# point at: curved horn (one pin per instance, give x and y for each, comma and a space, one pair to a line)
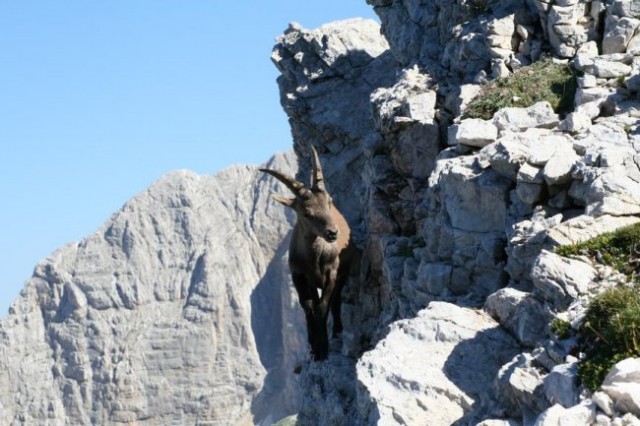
318, 180
295, 186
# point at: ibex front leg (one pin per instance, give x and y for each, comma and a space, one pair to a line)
322, 313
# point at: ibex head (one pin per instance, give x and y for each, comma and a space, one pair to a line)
313, 205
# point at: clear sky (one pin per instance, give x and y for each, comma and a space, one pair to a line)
98, 99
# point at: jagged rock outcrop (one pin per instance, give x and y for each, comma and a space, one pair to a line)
175, 311
469, 214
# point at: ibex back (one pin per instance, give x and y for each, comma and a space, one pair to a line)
319, 254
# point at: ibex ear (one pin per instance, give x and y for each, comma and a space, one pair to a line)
284, 200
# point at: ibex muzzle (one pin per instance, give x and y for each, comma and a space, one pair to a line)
319, 254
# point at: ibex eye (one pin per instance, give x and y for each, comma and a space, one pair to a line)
330, 235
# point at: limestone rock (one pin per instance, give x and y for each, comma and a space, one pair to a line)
521, 386
618, 32
473, 132
613, 192
328, 75
515, 119
582, 414
506, 155
561, 385
604, 402
605, 66
558, 169
583, 227
575, 122
561, 280
441, 374
161, 315
622, 384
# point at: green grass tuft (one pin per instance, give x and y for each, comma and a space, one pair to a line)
619, 249
561, 328
543, 80
610, 333
611, 328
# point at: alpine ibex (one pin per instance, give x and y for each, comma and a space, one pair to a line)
319, 254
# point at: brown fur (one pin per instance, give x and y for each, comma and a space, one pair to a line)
319, 255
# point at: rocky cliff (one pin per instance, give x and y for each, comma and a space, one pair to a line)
458, 217
179, 309
176, 311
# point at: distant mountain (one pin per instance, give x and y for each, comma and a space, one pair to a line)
170, 313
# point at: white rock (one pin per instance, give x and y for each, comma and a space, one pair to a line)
575, 122
503, 303
604, 402
583, 227
472, 132
587, 81
529, 193
601, 135
613, 192
609, 66
546, 145
581, 414
558, 169
593, 94
565, 3
633, 47
530, 174
561, 280
622, 384
618, 32
506, 155
499, 423
521, 385
515, 119
443, 372
457, 100
152, 313
422, 106
590, 109
588, 49
473, 199
561, 385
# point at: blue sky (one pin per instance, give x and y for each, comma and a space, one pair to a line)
99, 99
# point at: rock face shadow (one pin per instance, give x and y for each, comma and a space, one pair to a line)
437, 369
279, 329
473, 367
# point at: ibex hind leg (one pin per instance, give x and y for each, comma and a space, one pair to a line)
309, 300
336, 308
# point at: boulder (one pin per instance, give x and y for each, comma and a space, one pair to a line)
560, 280
472, 132
617, 34
561, 385
557, 170
605, 66
443, 372
581, 414
521, 386
539, 115
622, 384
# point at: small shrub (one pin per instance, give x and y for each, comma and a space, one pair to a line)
541, 81
561, 328
610, 333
